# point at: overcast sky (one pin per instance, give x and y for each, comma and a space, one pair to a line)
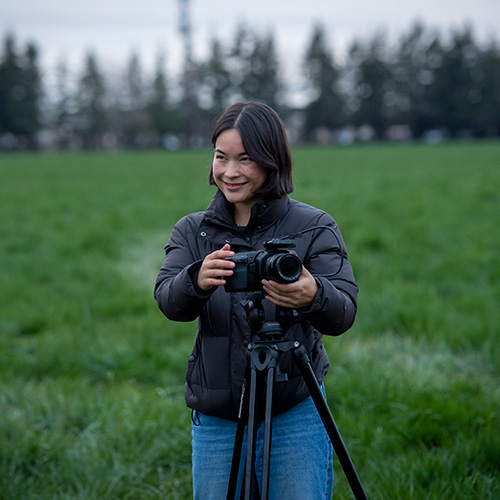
114, 28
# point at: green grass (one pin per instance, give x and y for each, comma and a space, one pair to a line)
91, 373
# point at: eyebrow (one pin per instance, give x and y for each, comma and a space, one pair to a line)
217, 150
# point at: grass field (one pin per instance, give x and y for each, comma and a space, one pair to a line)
91, 373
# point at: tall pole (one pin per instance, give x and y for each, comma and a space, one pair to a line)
185, 29
188, 102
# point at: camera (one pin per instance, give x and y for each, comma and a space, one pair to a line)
276, 262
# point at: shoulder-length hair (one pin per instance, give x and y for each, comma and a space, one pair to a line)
264, 137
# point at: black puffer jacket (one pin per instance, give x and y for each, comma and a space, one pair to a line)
217, 365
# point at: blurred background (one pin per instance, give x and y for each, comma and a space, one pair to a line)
92, 374
105, 75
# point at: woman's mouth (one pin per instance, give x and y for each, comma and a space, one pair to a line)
234, 186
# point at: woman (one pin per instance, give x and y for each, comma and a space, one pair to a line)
252, 170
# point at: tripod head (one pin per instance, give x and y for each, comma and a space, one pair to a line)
268, 337
256, 318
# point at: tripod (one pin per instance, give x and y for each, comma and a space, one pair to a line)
262, 372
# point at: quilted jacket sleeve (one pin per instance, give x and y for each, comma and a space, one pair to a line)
334, 307
175, 291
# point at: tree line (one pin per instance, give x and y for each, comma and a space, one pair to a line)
427, 84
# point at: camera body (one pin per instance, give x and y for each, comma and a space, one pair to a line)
276, 262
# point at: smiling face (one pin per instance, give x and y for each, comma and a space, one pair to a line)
236, 175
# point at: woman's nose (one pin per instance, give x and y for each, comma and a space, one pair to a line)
232, 168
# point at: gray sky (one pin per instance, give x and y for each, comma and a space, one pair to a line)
114, 28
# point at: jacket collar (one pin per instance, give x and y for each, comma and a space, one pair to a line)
264, 213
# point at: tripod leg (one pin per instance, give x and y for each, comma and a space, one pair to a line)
238, 445
266, 458
252, 431
307, 372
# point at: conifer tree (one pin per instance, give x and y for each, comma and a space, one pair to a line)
20, 93
326, 109
92, 116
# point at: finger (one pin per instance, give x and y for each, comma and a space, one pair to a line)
278, 301
220, 264
220, 254
279, 288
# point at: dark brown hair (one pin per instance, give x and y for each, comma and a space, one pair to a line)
264, 138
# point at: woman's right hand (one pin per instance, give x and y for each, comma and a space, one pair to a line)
214, 268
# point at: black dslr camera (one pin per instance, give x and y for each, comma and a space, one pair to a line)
277, 262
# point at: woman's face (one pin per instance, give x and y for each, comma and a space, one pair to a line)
234, 172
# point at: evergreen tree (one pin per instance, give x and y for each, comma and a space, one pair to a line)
453, 88
191, 123
92, 117
412, 77
254, 68
238, 57
10, 87
372, 84
31, 82
216, 80
326, 109
486, 76
20, 92
162, 117
261, 81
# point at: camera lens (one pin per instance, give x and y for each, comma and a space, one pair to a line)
283, 267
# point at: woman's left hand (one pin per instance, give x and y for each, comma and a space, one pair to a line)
294, 295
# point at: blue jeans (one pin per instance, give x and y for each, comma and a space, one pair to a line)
301, 456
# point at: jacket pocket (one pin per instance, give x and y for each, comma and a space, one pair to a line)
208, 365
193, 359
